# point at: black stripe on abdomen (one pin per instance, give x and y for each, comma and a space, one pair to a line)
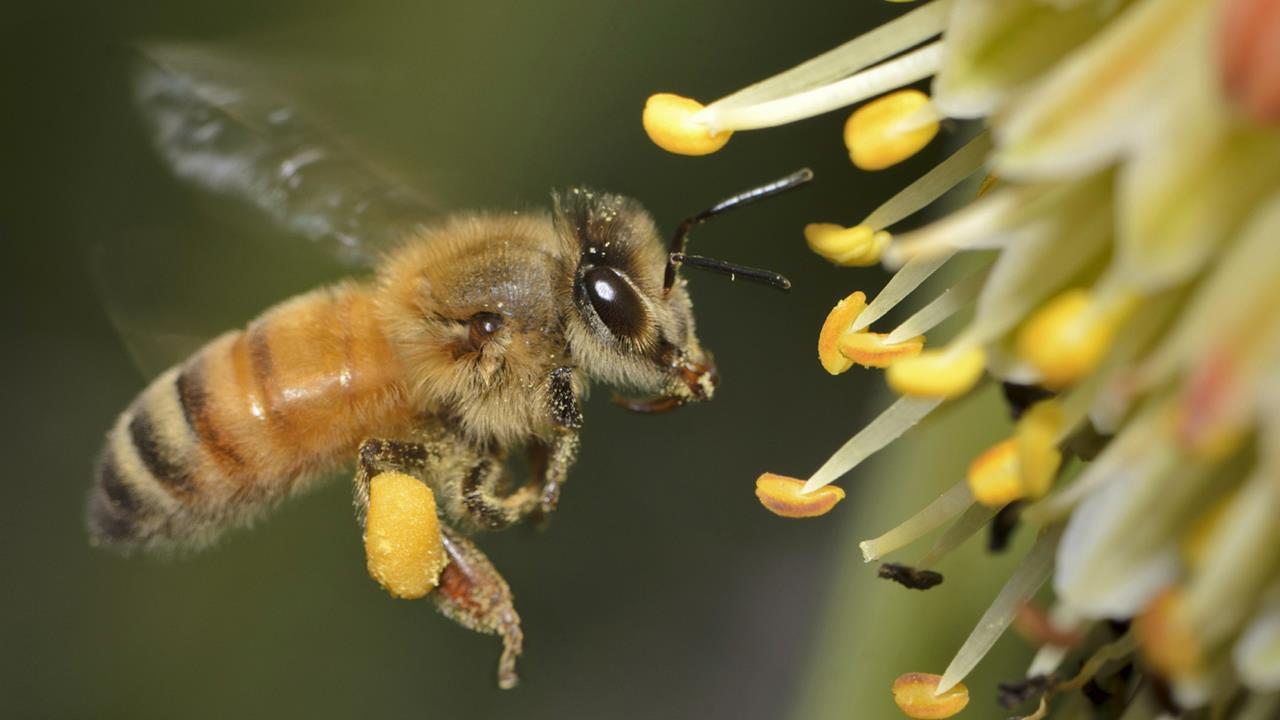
114, 509
162, 462
194, 399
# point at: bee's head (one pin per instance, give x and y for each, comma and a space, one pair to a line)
632, 321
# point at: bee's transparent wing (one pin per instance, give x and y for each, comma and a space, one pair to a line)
221, 127
230, 124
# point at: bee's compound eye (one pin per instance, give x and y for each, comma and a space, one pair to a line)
614, 301
484, 325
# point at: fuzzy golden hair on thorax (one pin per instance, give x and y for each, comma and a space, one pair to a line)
440, 293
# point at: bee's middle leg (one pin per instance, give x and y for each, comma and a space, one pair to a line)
484, 500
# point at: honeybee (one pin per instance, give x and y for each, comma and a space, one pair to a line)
471, 343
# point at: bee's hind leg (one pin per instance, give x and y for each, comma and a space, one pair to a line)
473, 594
469, 590
378, 455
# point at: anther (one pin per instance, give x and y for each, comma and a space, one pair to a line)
668, 120
942, 373
858, 246
890, 129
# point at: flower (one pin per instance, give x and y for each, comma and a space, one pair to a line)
1127, 296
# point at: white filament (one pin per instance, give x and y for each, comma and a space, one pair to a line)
933, 184
1025, 581
943, 508
890, 75
889, 426
888, 39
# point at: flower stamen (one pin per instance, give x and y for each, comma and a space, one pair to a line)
838, 324
945, 373
1021, 586
973, 520
885, 41
890, 129
946, 506
873, 350
1067, 337
890, 75
918, 696
901, 416
781, 496
903, 283
933, 184
951, 301
858, 246
670, 123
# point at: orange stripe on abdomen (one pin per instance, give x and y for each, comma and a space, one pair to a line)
236, 426
287, 396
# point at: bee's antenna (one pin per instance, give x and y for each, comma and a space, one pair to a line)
768, 277
678, 242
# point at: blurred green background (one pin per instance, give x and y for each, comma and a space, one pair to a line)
661, 589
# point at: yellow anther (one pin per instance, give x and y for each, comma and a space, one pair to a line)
668, 119
889, 129
993, 476
858, 246
1023, 466
1067, 337
1036, 437
402, 536
1195, 544
914, 694
1167, 638
943, 373
869, 349
781, 496
837, 324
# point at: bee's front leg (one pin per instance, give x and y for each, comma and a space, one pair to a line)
554, 458
552, 464
473, 594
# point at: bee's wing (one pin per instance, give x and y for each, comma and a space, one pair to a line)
221, 127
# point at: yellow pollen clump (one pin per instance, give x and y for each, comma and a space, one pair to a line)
858, 246
869, 349
944, 373
889, 129
1067, 337
837, 324
1166, 637
668, 120
781, 496
402, 536
914, 694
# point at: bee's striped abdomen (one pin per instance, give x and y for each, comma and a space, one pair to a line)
233, 429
